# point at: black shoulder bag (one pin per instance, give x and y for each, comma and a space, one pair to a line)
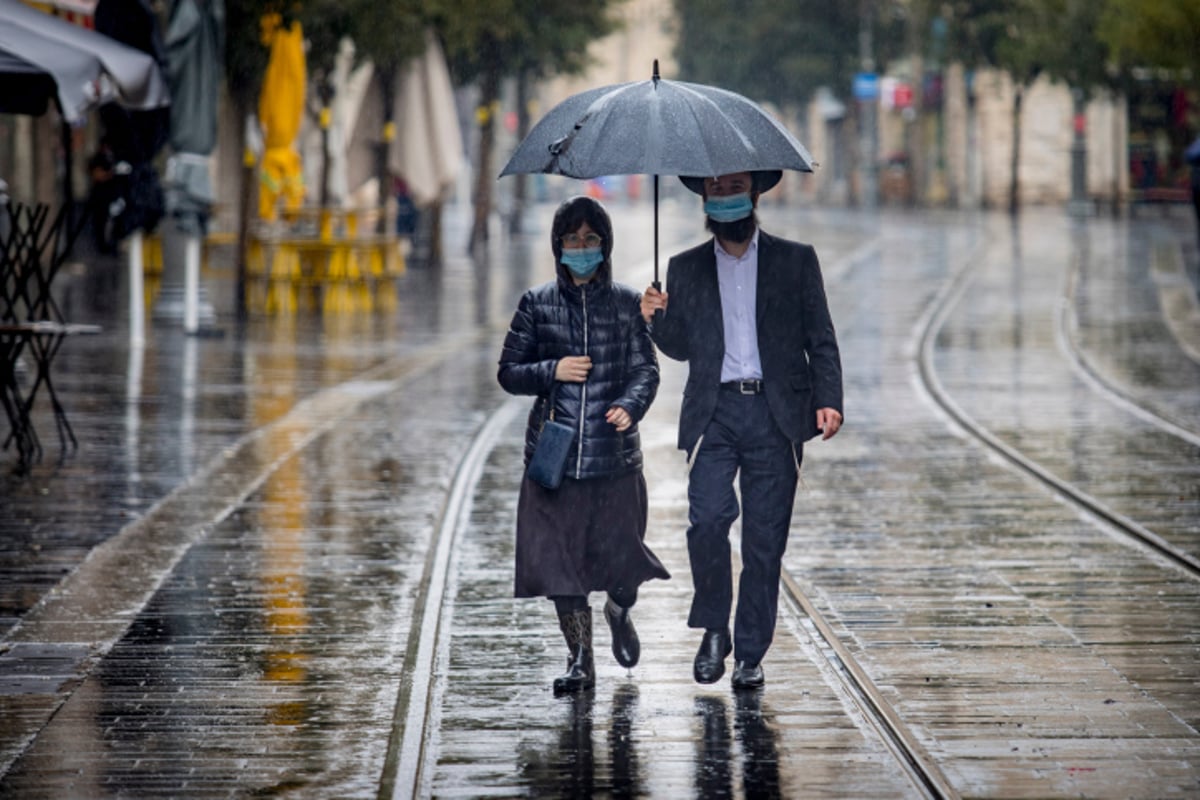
549, 461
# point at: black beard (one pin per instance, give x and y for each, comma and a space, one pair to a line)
738, 231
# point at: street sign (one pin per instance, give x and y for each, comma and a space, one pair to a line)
866, 86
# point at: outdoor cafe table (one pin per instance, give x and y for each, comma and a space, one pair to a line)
32, 328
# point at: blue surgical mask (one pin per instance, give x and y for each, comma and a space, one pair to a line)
730, 208
582, 262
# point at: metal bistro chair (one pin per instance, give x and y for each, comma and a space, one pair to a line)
32, 249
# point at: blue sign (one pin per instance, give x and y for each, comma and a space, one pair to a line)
866, 86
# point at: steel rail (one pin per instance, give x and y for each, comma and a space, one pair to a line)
404, 766
1130, 529
920, 767
1066, 323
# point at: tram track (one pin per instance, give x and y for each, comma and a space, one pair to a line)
917, 764
407, 769
1126, 528
1065, 327
404, 765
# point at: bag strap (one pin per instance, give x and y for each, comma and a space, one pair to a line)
550, 404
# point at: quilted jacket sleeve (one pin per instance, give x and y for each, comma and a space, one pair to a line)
521, 371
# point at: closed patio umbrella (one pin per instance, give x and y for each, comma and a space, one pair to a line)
427, 152
280, 112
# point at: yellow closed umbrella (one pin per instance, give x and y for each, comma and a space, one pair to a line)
280, 112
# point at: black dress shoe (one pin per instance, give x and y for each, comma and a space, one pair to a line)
626, 647
710, 660
747, 676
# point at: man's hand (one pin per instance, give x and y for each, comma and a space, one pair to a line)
829, 421
652, 300
573, 369
618, 417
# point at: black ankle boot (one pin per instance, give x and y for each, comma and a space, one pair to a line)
626, 647
576, 628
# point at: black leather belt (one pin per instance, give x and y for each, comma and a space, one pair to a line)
744, 386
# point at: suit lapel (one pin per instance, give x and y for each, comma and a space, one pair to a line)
710, 288
763, 295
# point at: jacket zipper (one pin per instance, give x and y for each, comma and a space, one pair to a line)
582, 393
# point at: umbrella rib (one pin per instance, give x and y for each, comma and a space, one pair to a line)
709, 156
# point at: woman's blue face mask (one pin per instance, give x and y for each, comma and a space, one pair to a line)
583, 262
729, 208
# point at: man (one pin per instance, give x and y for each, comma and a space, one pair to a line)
748, 313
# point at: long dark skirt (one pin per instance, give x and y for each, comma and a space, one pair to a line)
585, 536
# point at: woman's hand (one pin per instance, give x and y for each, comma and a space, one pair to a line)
573, 369
618, 417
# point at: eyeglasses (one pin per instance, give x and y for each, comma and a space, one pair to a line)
575, 240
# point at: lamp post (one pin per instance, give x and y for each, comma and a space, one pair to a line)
1079, 205
867, 93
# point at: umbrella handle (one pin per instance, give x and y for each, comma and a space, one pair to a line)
656, 283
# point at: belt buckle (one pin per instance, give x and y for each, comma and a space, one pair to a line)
748, 386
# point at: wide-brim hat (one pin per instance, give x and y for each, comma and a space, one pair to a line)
764, 180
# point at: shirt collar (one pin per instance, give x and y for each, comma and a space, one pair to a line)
751, 250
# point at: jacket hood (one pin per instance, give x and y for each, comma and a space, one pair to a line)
569, 216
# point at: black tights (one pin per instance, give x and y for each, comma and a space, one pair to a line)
566, 603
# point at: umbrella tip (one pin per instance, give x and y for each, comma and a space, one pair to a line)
654, 77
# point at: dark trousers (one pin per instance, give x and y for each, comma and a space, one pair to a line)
742, 441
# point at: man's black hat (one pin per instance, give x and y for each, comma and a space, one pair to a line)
763, 180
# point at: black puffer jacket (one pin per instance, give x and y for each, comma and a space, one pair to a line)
600, 319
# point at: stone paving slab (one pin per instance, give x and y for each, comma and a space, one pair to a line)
1034, 653
500, 732
997, 620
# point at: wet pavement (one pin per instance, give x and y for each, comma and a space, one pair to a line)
280, 562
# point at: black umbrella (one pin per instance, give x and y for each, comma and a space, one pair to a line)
657, 127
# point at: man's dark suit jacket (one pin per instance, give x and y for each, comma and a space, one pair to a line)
802, 369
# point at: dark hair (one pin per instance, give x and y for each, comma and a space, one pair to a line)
573, 213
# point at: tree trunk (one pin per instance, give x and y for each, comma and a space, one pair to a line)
1014, 187
387, 93
521, 181
245, 200
1119, 153
853, 147
435, 232
323, 121
484, 178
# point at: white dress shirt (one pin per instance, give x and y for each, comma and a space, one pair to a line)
738, 278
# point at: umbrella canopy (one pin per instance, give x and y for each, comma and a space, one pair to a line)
657, 127
43, 58
280, 112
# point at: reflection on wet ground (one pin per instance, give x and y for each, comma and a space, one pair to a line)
1032, 653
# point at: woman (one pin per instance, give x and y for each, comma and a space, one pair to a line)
580, 345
